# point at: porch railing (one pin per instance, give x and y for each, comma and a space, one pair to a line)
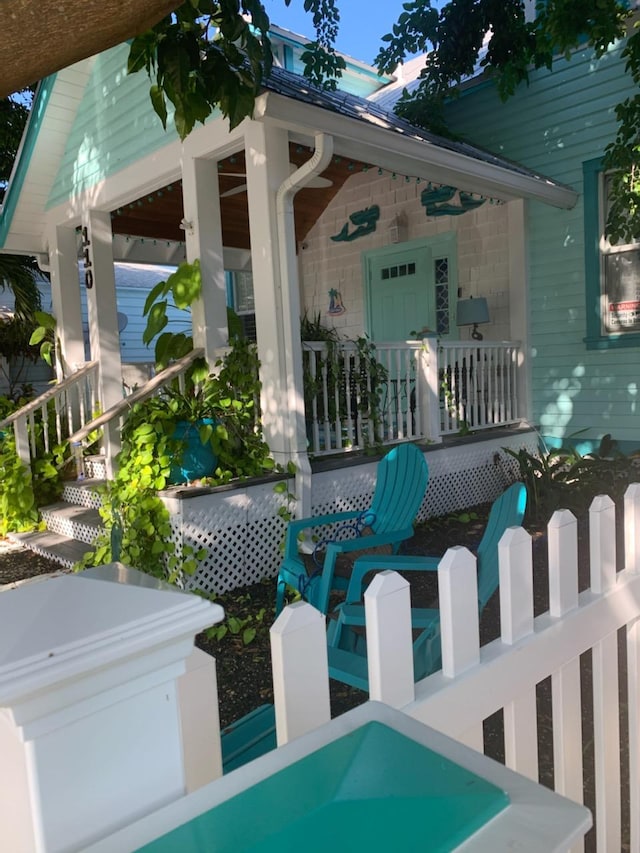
110, 420
478, 387
46, 421
408, 390
70, 411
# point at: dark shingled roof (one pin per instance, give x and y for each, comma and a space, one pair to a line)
298, 88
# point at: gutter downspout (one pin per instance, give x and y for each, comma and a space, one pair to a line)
290, 297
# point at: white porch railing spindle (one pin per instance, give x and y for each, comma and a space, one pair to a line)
325, 400
419, 429
313, 373
31, 428
44, 416
81, 392
344, 379
386, 408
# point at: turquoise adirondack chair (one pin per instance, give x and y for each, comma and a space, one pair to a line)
345, 636
401, 483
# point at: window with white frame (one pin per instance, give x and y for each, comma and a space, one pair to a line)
612, 271
620, 277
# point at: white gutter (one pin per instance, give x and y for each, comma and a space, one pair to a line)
290, 300
378, 143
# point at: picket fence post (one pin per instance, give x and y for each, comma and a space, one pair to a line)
516, 622
566, 702
387, 606
632, 563
300, 671
460, 626
606, 724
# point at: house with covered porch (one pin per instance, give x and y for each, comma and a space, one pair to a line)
320, 204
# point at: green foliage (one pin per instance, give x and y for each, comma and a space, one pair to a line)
241, 625
233, 394
21, 491
286, 510
138, 526
567, 479
137, 523
19, 274
622, 158
44, 335
358, 374
18, 511
462, 36
14, 112
208, 54
183, 287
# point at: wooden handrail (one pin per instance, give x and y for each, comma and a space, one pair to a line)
139, 394
51, 394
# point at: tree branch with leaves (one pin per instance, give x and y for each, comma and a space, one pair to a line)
210, 55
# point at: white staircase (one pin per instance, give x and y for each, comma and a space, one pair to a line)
73, 523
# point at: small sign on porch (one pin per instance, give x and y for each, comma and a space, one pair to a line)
336, 306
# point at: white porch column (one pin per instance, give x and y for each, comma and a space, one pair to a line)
203, 230
267, 163
103, 321
65, 297
519, 302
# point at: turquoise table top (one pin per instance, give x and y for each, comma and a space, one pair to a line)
372, 789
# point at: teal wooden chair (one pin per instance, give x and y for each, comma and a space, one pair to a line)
248, 738
401, 483
346, 637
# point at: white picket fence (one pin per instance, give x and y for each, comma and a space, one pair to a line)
475, 682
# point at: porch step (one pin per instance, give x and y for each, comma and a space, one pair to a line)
64, 550
83, 492
72, 524
76, 522
95, 467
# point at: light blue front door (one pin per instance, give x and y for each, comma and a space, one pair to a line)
411, 287
400, 294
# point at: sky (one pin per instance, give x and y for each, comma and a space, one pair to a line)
362, 23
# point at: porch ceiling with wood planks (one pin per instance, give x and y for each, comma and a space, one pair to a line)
158, 216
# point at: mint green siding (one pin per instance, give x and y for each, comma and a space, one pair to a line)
562, 120
115, 126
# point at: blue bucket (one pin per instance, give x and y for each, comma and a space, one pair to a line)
197, 459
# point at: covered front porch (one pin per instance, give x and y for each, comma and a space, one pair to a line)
319, 205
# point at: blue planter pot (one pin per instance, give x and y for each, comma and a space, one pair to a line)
197, 459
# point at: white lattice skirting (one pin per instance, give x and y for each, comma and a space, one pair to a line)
242, 531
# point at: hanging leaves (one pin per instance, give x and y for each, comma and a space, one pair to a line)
210, 55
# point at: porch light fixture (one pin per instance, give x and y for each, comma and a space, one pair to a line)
472, 312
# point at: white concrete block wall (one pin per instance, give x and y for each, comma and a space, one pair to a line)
483, 250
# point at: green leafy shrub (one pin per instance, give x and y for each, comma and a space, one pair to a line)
23, 491
566, 479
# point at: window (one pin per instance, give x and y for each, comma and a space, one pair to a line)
441, 277
612, 272
240, 298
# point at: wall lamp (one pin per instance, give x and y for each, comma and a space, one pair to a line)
472, 312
